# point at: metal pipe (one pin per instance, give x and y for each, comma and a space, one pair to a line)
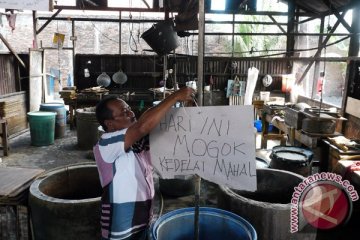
200, 75
201, 50
164, 74
197, 206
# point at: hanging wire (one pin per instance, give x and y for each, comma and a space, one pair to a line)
132, 40
82, 7
138, 31
323, 77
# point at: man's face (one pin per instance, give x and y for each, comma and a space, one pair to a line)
122, 116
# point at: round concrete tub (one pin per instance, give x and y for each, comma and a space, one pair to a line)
268, 208
65, 204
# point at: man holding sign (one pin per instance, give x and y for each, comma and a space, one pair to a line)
124, 165
215, 142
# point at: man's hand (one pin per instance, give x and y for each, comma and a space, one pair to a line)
185, 94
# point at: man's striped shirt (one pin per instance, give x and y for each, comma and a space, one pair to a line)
128, 189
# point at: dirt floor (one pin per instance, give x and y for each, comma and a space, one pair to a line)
64, 151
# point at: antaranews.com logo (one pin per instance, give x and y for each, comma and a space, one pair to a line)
324, 200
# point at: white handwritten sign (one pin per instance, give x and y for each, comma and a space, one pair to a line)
41, 5
217, 143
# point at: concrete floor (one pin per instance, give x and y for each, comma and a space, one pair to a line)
64, 151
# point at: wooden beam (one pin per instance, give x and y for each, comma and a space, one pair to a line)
128, 9
115, 9
307, 20
290, 40
273, 34
48, 21
337, 14
147, 5
354, 47
89, 19
305, 59
317, 54
279, 26
73, 33
243, 22
201, 50
350, 5
232, 37
12, 50
35, 42
262, 13
120, 21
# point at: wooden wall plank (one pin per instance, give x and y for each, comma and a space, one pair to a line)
7, 74
219, 67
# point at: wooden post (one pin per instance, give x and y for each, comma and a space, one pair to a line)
290, 37
47, 22
317, 54
353, 51
120, 33
73, 45
200, 77
201, 42
35, 44
290, 41
7, 44
232, 37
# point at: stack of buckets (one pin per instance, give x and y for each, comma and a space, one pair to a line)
47, 124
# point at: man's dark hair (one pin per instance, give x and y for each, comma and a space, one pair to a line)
103, 112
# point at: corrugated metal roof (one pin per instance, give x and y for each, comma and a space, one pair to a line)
323, 6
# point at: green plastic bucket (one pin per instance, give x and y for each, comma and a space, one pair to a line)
42, 127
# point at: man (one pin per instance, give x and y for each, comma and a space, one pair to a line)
124, 165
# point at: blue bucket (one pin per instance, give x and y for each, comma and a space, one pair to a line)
258, 125
214, 224
60, 123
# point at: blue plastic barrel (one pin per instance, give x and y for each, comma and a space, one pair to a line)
60, 123
214, 224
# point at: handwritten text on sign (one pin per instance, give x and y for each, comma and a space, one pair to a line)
217, 143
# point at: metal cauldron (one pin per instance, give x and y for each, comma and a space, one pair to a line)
161, 37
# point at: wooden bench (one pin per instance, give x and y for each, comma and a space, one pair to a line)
14, 189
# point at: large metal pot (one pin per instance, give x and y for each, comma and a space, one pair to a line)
161, 37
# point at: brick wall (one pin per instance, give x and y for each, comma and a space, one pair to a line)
92, 38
